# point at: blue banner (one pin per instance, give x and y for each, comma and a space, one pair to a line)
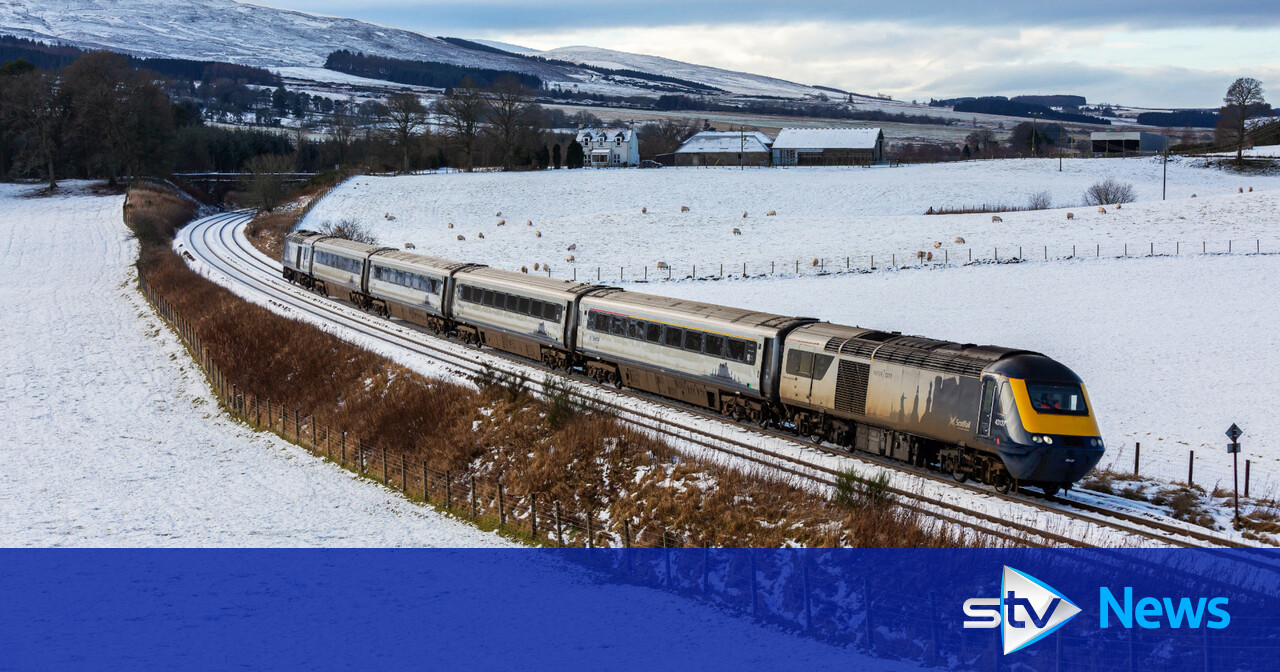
1033, 610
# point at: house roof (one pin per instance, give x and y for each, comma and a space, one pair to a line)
714, 142
827, 138
604, 134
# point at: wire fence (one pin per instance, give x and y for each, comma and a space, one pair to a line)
940, 257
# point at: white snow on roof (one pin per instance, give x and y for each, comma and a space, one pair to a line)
604, 134
827, 138
709, 142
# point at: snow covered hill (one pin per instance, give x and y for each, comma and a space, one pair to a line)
268, 37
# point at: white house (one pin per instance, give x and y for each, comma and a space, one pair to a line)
725, 148
828, 146
609, 147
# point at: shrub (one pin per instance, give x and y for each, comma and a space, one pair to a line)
856, 492
351, 230
1109, 192
1040, 200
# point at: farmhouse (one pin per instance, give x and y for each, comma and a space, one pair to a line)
609, 147
1127, 142
725, 148
828, 147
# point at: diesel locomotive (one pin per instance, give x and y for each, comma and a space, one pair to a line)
1005, 417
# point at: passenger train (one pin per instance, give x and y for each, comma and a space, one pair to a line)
1005, 417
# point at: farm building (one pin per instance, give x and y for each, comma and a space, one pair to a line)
828, 147
1127, 142
725, 148
609, 147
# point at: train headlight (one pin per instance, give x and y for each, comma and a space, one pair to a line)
1048, 440
1036, 438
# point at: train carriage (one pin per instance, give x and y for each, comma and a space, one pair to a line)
338, 264
296, 256
522, 314
413, 287
713, 356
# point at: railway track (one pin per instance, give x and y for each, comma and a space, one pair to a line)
218, 245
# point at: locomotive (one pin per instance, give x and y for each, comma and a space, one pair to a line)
1004, 417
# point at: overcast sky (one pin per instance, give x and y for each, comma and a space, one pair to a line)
1152, 54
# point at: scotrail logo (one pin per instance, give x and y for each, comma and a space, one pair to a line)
1026, 611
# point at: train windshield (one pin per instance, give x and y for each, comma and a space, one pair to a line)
1060, 398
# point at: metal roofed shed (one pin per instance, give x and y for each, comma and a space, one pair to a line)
725, 148
1127, 143
828, 147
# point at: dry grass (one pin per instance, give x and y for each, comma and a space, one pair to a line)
585, 459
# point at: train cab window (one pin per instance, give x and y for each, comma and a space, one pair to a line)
984, 413
1057, 398
820, 365
800, 363
714, 345
673, 336
693, 341
652, 332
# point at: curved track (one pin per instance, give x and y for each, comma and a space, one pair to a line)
217, 247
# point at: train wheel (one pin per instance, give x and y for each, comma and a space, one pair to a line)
960, 475
1003, 484
1050, 489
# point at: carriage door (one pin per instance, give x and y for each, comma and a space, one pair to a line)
988, 401
298, 261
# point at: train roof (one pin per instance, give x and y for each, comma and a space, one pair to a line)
710, 312
302, 234
965, 359
421, 260
361, 250
516, 280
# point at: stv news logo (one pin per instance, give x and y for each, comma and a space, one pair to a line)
1026, 611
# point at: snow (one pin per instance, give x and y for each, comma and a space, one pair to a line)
113, 438
725, 141
826, 138
826, 213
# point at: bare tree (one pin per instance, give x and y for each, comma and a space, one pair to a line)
1244, 97
266, 181
406, 114
982, 140
665, 137
509, 115
342, 127
36, 110
1109, 192
349, 229
463, 108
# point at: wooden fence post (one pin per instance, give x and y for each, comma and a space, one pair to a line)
502, 512
384, 464
533, 515
473, 496
1191, 468
404, 482
559, 529
1137, 452
589, 540
448, 491
1246, 477
425, 488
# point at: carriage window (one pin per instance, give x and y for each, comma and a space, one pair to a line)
616, 327
751, 352
799, 363
635, 329
693, 341
488, 298
820, 365
1059, 398
524, 305
674, 336
737, 350
513, 303
653, 332
551, 312
714, 345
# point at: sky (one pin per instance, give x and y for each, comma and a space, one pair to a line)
1173, 53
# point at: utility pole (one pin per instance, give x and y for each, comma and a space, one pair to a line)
742, 144
1033, 135
1062, 133
1164, 182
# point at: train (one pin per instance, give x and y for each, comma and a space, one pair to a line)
1004, 417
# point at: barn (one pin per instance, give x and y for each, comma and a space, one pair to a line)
725, 148
1123, 143
828, 147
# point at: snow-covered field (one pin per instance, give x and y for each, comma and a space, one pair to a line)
113, 438
1173, 349
822, 213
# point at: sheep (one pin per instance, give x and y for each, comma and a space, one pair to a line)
1071, 215
524, 269
528, 222
663, 265
570, 258
502, 222
410, 246
1239, 190
481, 235
571, 247
684, 208
771, 213
744, 214
537, 266
737, 232
920, 254
814, 262
937, 244
995, 219
1102, 210
959, 240
451, 225
538, 234
928, 256
1193, 195
1251, 190
644, 210
499, 214
546, 267
389, 217
1118, 206
461, 237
